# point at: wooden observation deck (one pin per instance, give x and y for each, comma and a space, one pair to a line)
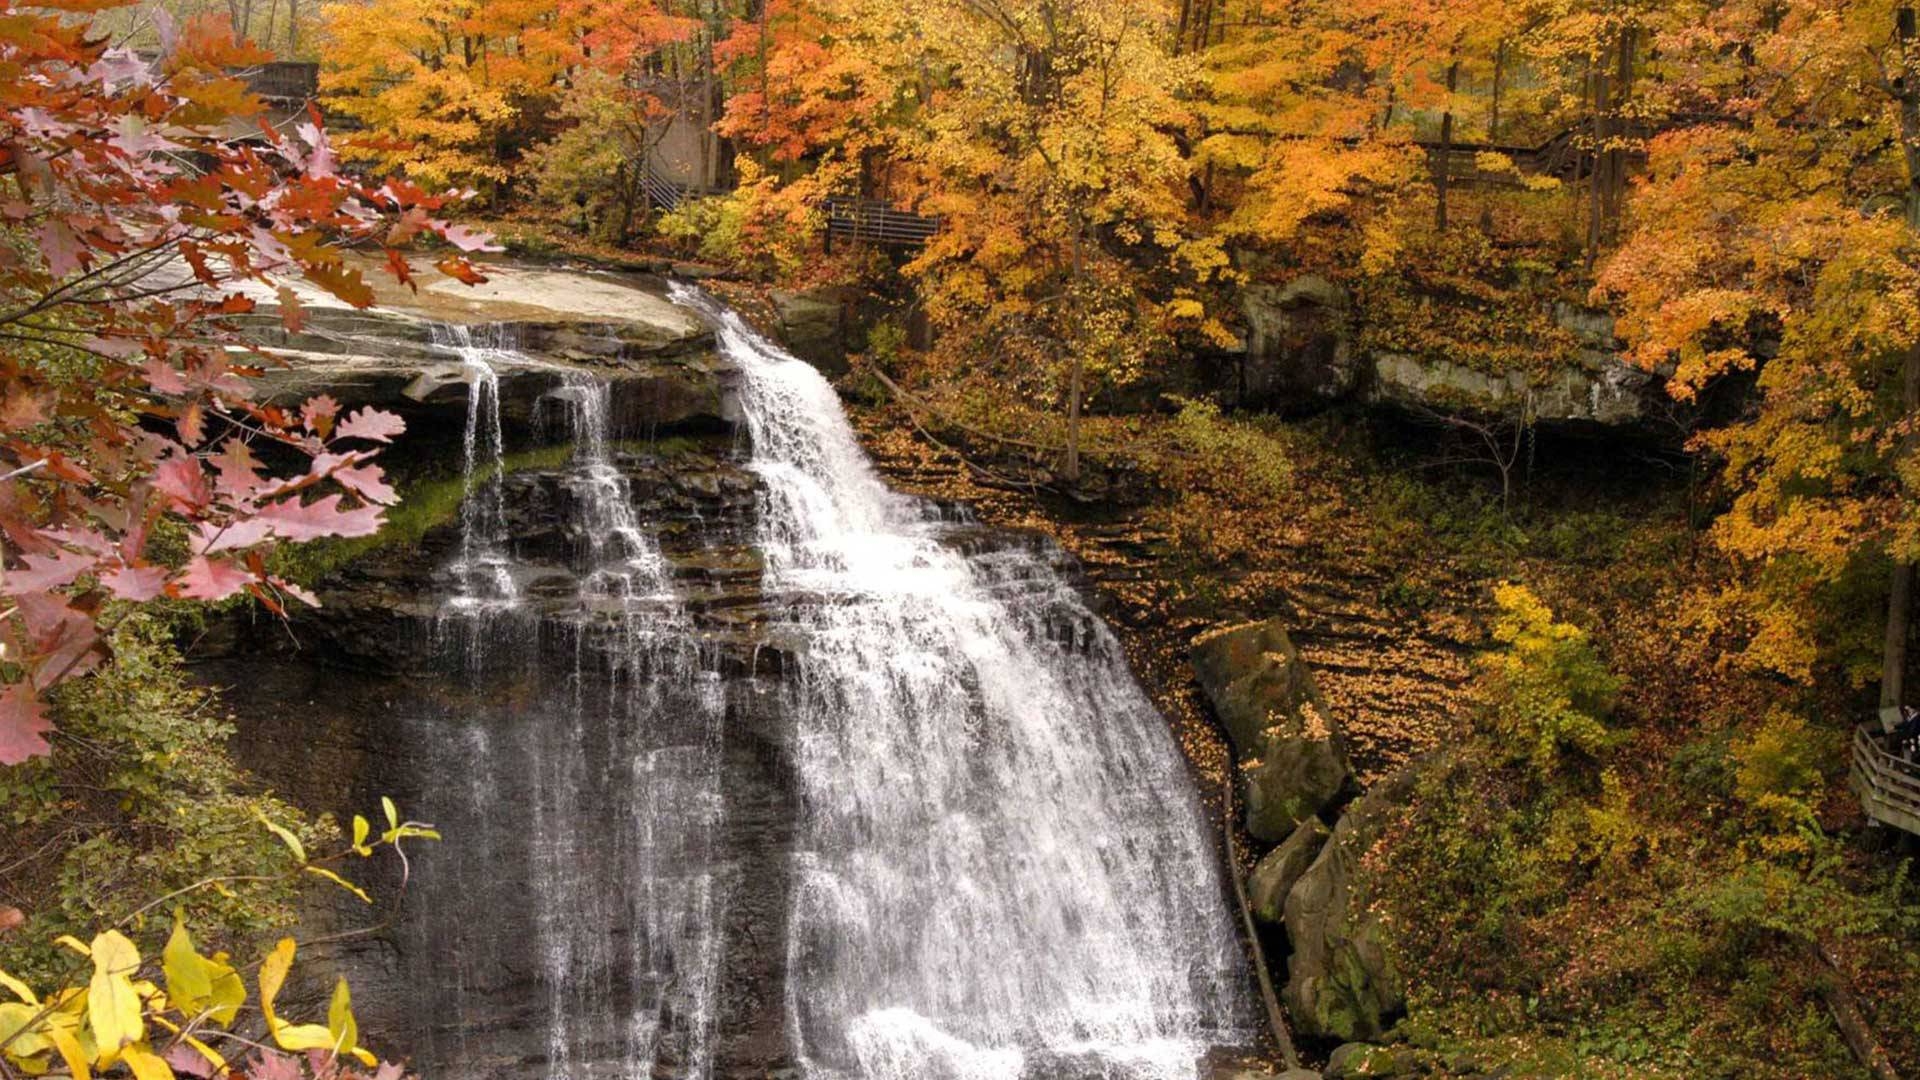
1887, 782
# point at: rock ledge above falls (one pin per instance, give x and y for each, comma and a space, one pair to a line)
537, 324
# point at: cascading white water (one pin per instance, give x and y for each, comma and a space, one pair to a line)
1003, 871
483, 564
627, 912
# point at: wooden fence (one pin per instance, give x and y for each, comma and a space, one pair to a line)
1888, 785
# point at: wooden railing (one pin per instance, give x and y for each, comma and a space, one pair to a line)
861, 221
1888, 784
285, 81
870, 221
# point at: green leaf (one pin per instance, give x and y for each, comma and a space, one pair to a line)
393, 815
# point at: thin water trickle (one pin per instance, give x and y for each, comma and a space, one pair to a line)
1003, 870
483, 565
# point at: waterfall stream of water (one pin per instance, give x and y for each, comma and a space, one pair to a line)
920, 824
626, 913
1003, 870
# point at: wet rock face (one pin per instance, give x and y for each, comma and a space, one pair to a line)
457, 718
1278, 871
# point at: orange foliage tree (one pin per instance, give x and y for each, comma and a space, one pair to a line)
1778, 231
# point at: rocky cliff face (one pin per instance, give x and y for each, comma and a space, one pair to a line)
1301, 350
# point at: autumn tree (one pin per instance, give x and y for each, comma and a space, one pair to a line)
444, 93
1778, 232
1046, 137
133, 462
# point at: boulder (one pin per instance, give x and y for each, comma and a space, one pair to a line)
1364, 1061
1293, 759
1274, 877
1342, 982
1299, 346
814, 326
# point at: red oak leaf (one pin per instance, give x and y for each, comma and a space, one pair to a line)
183, 482
210, 579
297, 521
136, 583
375, 424
23, 722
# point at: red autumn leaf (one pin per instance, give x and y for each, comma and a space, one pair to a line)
236, 469
467, 239
183, 482
24, 406
297, 521
317, 414
377, 425
136, 583
23, 722
192, 425
461, 270
233, 535
62, 640
292, 315
368, 482
337, 279
44, 572
209, 579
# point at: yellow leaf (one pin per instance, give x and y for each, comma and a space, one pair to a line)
113, 1006
146, 1064
73, 943
360, 831
189, 982
340, 1022
197, 985
20, 989
70, 1050
16, 1030
273, 975
340, 881
286, 837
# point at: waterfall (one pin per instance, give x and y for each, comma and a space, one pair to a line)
482, 567
594, 795
750, 766
1002, 871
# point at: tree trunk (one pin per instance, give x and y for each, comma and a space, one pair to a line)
1074, 387
1276, 1019
1444, 174
1617, 155
1837, 996
1499, 70
1596, 178
1893, 659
